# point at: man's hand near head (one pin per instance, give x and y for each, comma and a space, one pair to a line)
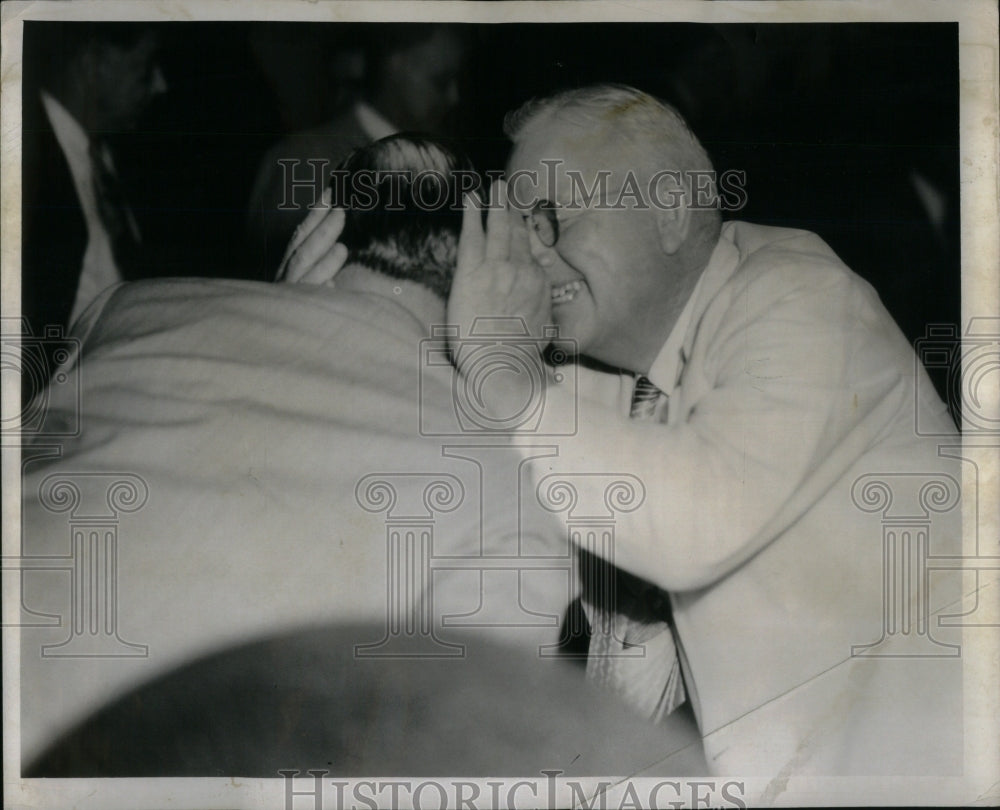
496, 281
491, 281
494, 277
314, 256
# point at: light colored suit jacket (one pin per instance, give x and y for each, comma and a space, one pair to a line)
788, 502
261, 457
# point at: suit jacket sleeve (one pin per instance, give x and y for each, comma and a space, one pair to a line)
794, 373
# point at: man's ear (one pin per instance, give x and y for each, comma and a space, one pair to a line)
672, 224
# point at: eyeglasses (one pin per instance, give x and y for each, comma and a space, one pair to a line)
544, 222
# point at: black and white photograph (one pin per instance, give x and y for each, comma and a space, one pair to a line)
500, 404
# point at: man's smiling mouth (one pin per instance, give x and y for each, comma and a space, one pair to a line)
564, 293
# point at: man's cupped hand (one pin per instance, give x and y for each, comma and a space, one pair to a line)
314, 256
493, 278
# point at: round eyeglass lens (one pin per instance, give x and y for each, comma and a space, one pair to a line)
544, 222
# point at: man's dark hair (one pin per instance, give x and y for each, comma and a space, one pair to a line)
403, 201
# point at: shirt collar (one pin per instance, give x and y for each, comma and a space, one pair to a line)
669, 363
375, 125
72, 137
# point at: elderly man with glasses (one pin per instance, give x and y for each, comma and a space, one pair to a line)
757, 388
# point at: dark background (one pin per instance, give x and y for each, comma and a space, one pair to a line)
830, 122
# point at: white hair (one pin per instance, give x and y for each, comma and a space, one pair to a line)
658, 132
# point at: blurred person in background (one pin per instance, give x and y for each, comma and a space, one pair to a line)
88, 84
410, 84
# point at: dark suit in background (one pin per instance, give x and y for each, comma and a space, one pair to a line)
84, 85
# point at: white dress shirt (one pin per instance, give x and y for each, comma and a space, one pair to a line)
375, 125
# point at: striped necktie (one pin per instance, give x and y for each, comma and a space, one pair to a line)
632, 649
646, 399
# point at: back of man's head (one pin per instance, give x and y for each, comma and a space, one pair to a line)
403, 198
